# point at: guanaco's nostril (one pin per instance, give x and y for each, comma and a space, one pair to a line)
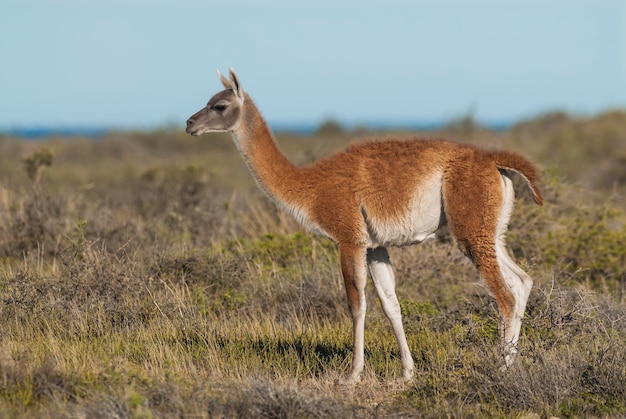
190, 121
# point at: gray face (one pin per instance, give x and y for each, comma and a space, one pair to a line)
220, 114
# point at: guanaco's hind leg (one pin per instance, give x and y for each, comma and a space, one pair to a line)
478, 208
385, 283
517, 280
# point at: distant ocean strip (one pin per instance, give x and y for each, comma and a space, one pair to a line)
38, 133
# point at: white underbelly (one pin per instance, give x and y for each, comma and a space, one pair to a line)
403, 232
423, 217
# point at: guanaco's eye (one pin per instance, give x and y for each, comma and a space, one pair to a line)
220, 106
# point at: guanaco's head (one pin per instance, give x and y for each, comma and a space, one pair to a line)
223, 110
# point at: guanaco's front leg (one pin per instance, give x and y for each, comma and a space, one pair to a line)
353, 268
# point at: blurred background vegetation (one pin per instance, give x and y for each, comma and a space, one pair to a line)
143, 274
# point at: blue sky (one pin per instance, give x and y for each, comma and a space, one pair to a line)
145, 64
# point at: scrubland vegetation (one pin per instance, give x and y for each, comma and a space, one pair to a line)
143, 275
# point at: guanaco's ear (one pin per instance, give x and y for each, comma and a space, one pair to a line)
236, 85
224, 80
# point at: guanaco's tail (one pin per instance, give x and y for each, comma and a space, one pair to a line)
508, 160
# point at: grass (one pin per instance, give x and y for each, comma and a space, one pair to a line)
143, 275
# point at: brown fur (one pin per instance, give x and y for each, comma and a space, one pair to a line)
382, 175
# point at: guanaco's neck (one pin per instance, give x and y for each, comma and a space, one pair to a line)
274, 174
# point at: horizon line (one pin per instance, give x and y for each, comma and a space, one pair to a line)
44, 130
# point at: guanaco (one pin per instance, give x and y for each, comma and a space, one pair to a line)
389, 193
